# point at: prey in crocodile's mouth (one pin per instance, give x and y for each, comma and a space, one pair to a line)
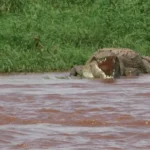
107, 66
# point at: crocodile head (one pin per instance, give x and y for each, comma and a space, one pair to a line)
105, 64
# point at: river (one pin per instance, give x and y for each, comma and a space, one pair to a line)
40, 111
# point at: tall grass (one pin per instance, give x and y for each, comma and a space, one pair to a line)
50, 35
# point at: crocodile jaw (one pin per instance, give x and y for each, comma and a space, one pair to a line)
103, 75
87, 74
95, 72
107, 66
103, 68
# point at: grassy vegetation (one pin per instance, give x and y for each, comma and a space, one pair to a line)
52, 35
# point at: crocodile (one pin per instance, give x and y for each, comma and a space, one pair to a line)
109, 63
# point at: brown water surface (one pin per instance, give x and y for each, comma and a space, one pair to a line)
39, 111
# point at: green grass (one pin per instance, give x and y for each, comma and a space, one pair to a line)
68, 31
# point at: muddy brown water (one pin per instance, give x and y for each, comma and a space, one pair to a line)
39, 111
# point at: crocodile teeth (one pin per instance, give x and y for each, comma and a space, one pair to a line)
103, 74
113, 72
113, 60
107, 77
103, 60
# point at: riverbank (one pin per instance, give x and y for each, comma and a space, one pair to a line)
43, 36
